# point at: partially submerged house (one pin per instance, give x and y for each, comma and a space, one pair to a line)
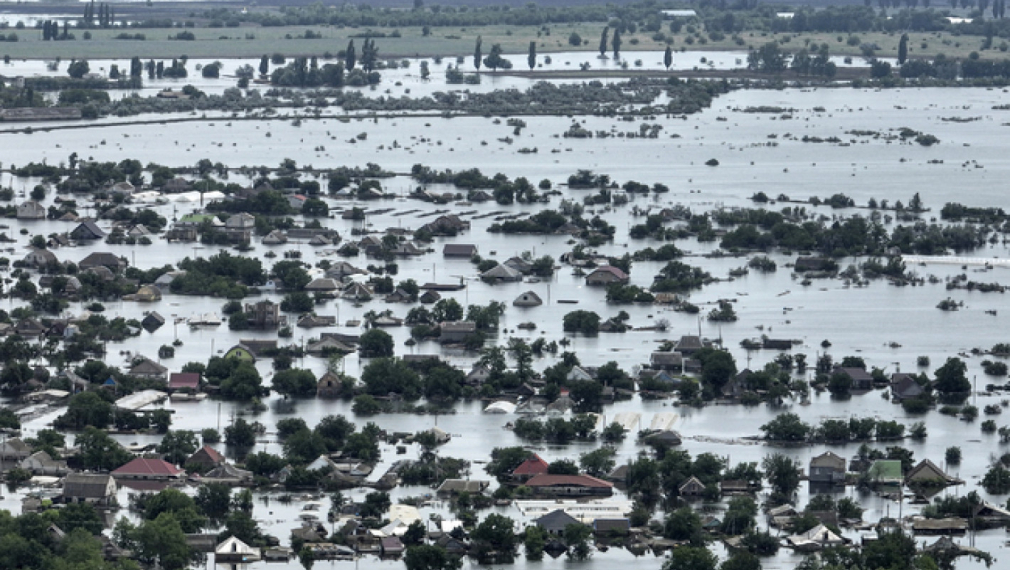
555, 522
570, 486
606, 275
92, 488
928, 474
827, 467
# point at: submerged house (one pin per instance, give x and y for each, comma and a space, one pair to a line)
827, 467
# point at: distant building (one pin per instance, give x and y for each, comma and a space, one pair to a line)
31, 210
87, 230
92, 488
606, 275
827, 468
264, 314
464, 250
457, 331
570, 486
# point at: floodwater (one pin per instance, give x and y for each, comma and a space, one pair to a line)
969, 166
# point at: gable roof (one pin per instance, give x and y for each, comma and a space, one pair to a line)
143, 466
828, 459
88, 485
546, 480
618, 273
206, 455
182, 380
927, 470
532, 466
556, 519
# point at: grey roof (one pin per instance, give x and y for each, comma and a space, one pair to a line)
87, 485
556, 520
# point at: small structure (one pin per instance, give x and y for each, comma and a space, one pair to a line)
15, 449
606, 275
241, 352
456, 486
391, 546
184, 382
693, 487
905, 387
928, 474
861, 379
555, 522
886, 471
457, 331
690, 344
87, 230
429, 297
570, 485
806, 263
264, 314
528, 299
670, 361
463, 250
323, 284
329, 386
41, 463
31, 210
501, 274
92, 488
234, 550
146, 469
102, 259
275, 237
532, 467
36, 258
827, 467
938, 527
241, 221
205, 458
149, 370
611, 527
815, 539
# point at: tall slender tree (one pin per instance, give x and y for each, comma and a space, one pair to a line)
603, 41
531, 59
264, 65
903, 49
668, 57
350, 58
477, 54
617, 43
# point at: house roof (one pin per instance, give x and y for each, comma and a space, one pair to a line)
152, 467
618, 273
886, 470
461, 485
556, 519
180, 380
87, 485
532, 466
148, 366
828, 459
546, 480
458, 327
691, 481
90, 227
459, 249
101, 259
927, 470
206, 454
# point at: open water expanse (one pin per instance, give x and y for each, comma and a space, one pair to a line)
970, 165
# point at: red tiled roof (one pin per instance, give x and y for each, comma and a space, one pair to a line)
568, 480
211, 454
532, 466
151, 467
184, 380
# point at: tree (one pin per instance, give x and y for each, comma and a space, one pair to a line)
951, 379
504, 460
180, 505
477, 54
163, 542
903, 49
350, 57
682, 524
496, 531
264, 65
577, 539
213, 500
176, 446
494, 60
668, 57
384, 376
741, 560
375, 343
616, 43
430, 557
598, 462
240, 434
78, 69
100, 452
786, 427
767, 59
295, 382
690, 558
783, 474
531, 59
603, 41
534, 542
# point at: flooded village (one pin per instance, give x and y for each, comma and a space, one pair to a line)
718, 296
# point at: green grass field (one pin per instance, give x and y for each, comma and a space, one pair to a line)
234, 43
